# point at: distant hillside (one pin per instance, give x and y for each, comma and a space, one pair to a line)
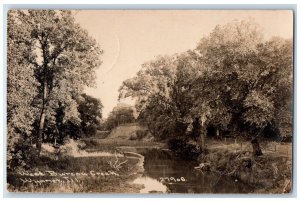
129, 132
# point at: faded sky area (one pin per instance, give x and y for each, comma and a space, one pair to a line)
129, 38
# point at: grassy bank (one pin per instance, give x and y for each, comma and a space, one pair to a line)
94, 144
110, 166
99, 174
269, 173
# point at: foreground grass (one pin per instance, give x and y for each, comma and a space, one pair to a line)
270, 173
114, 173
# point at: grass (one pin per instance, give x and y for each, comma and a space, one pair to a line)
111, 145
125, 131
269, 173
124, 167
269, 148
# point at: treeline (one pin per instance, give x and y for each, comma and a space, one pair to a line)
234, 81
50, 60
120, 114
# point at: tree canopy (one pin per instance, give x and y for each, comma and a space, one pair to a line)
233, 80
121, 114
51, 59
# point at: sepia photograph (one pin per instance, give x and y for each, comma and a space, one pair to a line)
149, 101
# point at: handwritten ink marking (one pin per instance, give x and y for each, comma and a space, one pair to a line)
47, 177
108, 173
24, 181
67, 180
171, 180
51, 173
31, 174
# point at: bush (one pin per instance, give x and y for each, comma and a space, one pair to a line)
133, 137
139, 135
23, 155
71, 148
184, 149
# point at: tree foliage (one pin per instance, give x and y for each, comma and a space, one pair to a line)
90, 110
65, 58
234, 80
121, 114
21, 89
50, 61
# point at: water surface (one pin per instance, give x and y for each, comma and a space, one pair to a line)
166, 173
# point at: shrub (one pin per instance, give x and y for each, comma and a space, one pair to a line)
140, 134
23, 155
184, 149
133, 137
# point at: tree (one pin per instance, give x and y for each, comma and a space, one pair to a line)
227, 50
269, 103
276, 57
248, 75
120, 114
64, 58
90, 110
162, 90
21, 87
90, 114
233, 81
153, 90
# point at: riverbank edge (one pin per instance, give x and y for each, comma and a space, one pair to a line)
267, 174
49, 160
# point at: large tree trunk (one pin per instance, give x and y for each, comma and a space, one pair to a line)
256, 148
42, 119
218, 134
202, 137
40, 132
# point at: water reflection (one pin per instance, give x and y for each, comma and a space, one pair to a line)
166, 173
150, 185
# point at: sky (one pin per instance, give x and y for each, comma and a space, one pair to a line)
130, 38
